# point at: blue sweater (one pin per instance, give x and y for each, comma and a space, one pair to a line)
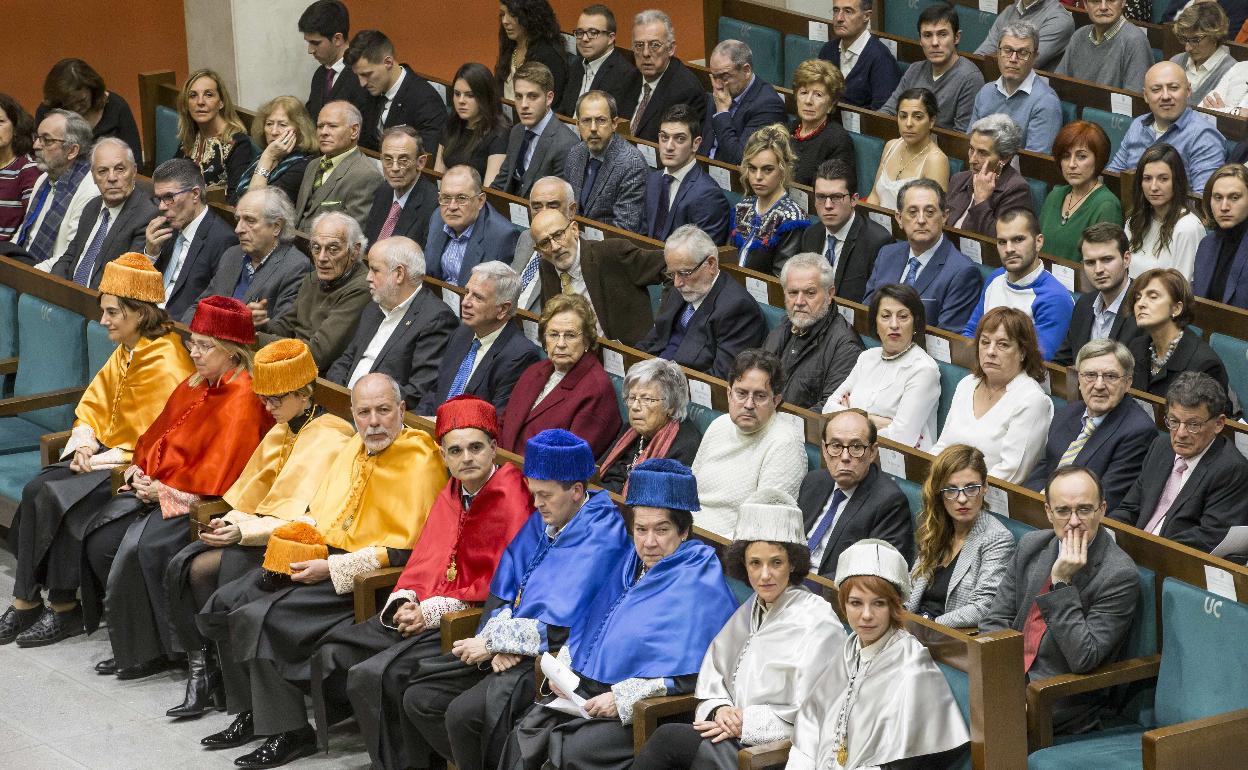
1044, 298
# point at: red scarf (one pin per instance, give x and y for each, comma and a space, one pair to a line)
657, 447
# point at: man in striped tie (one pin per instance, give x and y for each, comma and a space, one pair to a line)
1104, 431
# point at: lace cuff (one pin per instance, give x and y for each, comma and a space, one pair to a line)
254, 530
628, 692
81, 435
518, 636
705, 708
759, 724
343, 567
174, 502
397, 599
435, 607
109, 459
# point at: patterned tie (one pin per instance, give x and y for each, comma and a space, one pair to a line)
591, 174
327, 165
665, 206
530, 271
1034, 628
641, 107
1173, 485
830, 252
82, 276
392, 219
686, 316
912, 271
522, 160
565, 284
1076, 446
829, 519
465, 368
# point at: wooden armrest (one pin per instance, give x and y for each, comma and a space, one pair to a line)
117, 478
763, 755
8, 365
1043, 693
459, 625
366, 587
51, 445
1212, 743
648, 711
204, 511
11, 407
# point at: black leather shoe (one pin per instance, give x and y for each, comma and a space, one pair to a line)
52, 627
204, 688
240, 732
106, 667
281, 748
15, 621
153, 666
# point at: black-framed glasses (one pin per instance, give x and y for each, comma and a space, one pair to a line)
685, 274
273, 402
554, 237
170, 197
1193, 426
855, 450
589, 33
971, 491
1022, 54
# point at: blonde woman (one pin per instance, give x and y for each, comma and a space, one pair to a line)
286, 136
210, 131
767, 224
817, 87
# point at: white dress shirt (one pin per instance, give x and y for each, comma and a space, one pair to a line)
1012, 434
486, 343
591, 71
113, 211
678, 177
849, 56
179, 251
393, 92
840, 236
385, 330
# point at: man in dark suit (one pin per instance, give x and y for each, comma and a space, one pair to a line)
1071, 591
487, 354
1105, 313
665, 80
606, 172
681, 192
848, 240
851, 499
399, 96
465, 230
743, 102
1106, 431
1194, 482
404, 330
343, 179
112, 224
598, 66
406, 200
186, 239
948, 282
265, 269
613, 275
705, 318
1221, 273
539, 142
326, 25
550, 192
870, 69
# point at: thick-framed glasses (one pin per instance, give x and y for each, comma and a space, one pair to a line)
1110, 378
273, 402
643, 401
653, 46
400, 162
1022, 54
685, 274
202, 348
553, 238
835, 199
458, 200
1084, 512
971, 491
170, 197
1193, 426
589, 33
835, 449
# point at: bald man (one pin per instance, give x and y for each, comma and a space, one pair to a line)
549, 192
611, 274
1170, 120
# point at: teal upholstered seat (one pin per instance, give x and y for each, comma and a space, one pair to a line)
797, 49
1016, 528
8, 333
43, 328
764, 43
99, 347
950, 376
1234, 354
772, 316
702, 416
166, 134
1115, 125
974, 25
867, 152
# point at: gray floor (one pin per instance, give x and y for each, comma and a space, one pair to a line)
56, 712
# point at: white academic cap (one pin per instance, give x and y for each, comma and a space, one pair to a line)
772, 515
874, 557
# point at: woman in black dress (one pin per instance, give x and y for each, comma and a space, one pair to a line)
476, 129
529, 31
211, 133
74, 85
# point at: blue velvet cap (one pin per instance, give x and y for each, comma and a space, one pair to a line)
663, 483
558, 455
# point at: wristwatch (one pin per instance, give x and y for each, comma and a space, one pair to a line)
264, 172
1058, 586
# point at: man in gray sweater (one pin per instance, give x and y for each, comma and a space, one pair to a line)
1111, 50
1052, 21
954, 80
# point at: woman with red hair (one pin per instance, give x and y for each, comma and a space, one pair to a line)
1081, 150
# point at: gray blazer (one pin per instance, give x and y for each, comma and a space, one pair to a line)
618, 196
977, 573
552, 147
277, 281
348, 189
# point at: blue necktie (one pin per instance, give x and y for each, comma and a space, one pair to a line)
522, 160
591, 173
912, 271
829, 518
530, 271
830, 253
244, 281
465, 368
686, 316
35, 207
82, 276
665, 204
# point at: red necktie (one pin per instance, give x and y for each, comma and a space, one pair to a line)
392, 219
1034, 628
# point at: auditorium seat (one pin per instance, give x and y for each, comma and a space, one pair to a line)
960, 686
764, 43
44, 327
166, 134
772, 316
1016, 527
1039, 190
8, 334
1115, 125
902, 19
1234, 355
974, 24
797, 49
99, 347
867, 152
950, 376
913, 491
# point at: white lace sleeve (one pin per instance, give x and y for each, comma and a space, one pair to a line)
435, 607
759, 724
628, 692
343, 567
81, 435
397, 599
109, 459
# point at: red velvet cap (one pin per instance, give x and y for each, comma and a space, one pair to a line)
224, 318
467, 412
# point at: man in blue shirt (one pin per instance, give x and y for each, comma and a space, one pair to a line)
1027, 98
1170, 120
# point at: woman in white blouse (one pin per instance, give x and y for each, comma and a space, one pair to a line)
1163, 231
898, 383
1000, 407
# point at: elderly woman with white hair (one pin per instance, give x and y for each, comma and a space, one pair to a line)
656, 396
990, 185
897, 710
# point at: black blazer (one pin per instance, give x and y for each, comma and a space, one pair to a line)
416, 105
728, 132
411, 355
1115, 450
1210, 502
878, 509
346, 88
699, 201
1079, 333
203, 256
555, 59
678, 85
1192, 354
413, 220
727, 322
617, 76
864, 241
128, 232
495, 375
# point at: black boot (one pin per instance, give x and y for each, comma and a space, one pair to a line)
204, 688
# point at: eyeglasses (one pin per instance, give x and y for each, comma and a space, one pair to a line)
400, 162
833, 198
203, 348
1022, 54
971, 491
594, 120
587, 34
554, 237
855, 450
1111, 378
653, 46
45, 139
1084, 512
1193, 426
1192, 39
685, 274
645, 401
273, 402
169, 198
563, 336
458, 200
